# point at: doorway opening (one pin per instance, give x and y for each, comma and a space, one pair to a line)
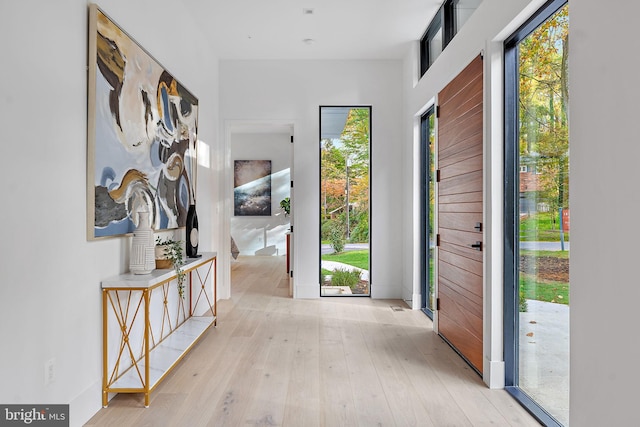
260, 164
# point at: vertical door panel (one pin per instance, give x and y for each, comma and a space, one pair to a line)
460, 196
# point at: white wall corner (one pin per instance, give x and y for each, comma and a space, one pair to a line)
223, 290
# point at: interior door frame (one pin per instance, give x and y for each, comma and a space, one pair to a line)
226, 190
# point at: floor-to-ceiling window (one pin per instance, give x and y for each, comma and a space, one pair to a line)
537, 214
345, 136
427, 197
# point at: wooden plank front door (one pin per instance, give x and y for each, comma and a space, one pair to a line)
460, 164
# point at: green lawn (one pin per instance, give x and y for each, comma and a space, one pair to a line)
358, 259
540, 227
549, 292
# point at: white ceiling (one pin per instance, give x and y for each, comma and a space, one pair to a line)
340, 29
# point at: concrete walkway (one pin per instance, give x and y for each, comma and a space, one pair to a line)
333, 265
544, 356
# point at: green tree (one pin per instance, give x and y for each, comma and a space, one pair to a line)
544, 101
352, 147
333, 176
356, 137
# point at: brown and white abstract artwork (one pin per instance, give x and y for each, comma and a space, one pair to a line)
142, 134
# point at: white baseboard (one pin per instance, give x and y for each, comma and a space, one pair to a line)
307, 291
85, 405
385, 292
494, 373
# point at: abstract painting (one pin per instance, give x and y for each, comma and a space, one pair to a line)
142, 136
252, 188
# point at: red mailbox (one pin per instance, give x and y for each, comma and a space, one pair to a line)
565, 219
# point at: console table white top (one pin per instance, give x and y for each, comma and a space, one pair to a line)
141, 281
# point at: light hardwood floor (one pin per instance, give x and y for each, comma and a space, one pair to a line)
336, 361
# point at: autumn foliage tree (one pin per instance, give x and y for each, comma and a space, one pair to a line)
347, 155
544, 105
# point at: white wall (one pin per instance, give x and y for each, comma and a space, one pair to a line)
293, 91
50, 296
255, 235
605, 289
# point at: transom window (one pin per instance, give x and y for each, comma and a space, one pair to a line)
446, 23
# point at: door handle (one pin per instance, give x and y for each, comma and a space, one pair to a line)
478, 226
477, 246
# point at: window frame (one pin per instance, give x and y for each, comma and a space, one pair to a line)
511, 206
445, 19
350, 106
425, 305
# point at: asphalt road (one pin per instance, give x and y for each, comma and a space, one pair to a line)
544, 246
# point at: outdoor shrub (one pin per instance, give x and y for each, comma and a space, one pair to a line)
326, 230
523, 303
344, 277
336, 238
360, 233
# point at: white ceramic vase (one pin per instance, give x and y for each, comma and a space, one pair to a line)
142, 260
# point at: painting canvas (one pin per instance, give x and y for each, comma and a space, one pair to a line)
252, 188
142, 135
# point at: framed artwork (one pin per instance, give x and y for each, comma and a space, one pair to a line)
252, 188
142, 136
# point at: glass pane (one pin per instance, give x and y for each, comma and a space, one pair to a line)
344, 204
431, 213
435, 46
463, 9
543, 354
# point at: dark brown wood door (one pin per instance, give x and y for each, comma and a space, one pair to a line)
460, 163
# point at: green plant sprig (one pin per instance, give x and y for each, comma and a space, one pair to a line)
173, 252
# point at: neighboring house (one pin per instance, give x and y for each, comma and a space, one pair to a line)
529, 187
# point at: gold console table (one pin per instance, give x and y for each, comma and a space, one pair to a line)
147, 328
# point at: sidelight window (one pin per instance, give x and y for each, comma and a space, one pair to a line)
537, 214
